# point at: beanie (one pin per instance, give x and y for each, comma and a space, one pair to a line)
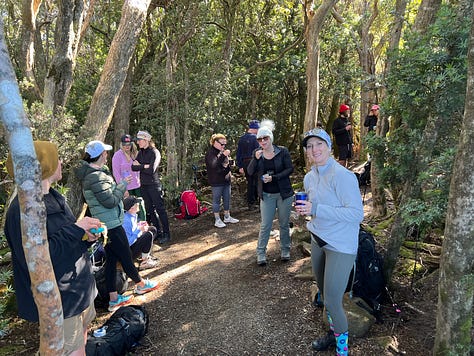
254, 124
47, 155
343, 108
266, 129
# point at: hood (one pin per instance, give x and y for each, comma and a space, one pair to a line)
83, 170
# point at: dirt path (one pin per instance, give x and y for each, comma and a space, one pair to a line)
215, 300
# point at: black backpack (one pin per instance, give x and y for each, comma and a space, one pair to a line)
123, 331
368, 282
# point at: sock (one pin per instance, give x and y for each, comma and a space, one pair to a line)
227, 215
331, 324
342, 344
144, 256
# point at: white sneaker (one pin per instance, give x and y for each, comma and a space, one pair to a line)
219, 223
231, 220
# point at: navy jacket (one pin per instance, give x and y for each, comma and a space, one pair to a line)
283, 169
69, 256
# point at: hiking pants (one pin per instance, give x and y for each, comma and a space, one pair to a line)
331, 271
144, 243
154, 205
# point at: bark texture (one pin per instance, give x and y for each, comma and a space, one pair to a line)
456, 281
69, 31
314, 23
110, 85
33, 212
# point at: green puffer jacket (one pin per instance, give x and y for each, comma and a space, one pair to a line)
102, 194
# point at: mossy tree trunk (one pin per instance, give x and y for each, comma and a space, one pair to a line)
456, 281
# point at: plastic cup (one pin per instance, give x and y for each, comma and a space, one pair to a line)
300, 196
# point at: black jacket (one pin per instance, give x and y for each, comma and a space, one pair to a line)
370, 122
283, 169
150, 175
218, 168
69, 256
341, 135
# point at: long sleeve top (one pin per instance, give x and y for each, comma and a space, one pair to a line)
122, 167
218, 168
130, 225
152, 157
337, 208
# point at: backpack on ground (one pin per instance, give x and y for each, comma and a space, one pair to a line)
368, 282
189, 206
123, 332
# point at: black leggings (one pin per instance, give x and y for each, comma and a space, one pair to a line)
118, 250
154, 205
144, 243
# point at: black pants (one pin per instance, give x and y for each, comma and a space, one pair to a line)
252, 195
155, 208
143, 243
117, 250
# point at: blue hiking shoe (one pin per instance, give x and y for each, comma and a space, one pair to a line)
148, 287
121, 300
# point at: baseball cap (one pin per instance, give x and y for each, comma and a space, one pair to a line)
317, 132
95, 148
130, 201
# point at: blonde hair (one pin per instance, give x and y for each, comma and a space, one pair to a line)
216, 137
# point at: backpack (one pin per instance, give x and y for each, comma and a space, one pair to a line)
123, 331
368, 283
189, 206
98, 260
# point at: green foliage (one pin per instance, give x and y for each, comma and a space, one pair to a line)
61, 130
6, 293
427, 83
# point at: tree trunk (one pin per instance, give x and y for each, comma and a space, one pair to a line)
314, 22
110, 85
29, 12
33, 212
426, 16
456, 281
70, 27
121, 118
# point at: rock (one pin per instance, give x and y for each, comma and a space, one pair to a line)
305, 248
360, 320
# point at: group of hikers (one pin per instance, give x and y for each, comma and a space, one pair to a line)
128, 204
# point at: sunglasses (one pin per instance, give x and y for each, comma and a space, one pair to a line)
222, 144
261, 139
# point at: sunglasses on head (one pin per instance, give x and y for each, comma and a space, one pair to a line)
261, 139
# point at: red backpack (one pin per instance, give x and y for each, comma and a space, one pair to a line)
190, 206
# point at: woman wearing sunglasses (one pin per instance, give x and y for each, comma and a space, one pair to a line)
273, 166
219, 176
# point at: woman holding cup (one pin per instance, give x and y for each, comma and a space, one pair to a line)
273, 165
335, 207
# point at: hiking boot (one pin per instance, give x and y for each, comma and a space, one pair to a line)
165, 239
285, 256
230, 219
261, 260
148, 263
148, 287
325, 342
158, 237
121, 300
219, 223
